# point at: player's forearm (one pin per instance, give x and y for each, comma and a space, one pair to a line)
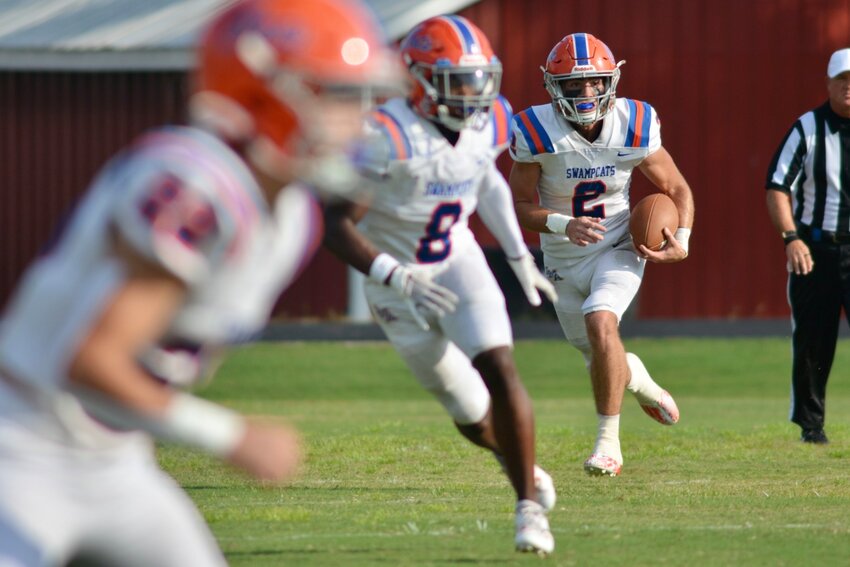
346, 242
103, 367
683, 198
533, 217
137, 315
662, 172
111, 385
497, 212
523, 182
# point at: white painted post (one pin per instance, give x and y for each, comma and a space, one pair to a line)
358, 309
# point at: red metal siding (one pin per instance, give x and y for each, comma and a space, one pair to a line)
728, 78
59, 128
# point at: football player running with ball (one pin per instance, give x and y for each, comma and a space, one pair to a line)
182, 245
429, 286
577, 155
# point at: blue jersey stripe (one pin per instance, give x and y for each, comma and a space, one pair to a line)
647, 122
538, 140
581, 48
465, 34
630, 134
541, 131
529, 141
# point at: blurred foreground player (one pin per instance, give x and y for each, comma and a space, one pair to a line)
429, 286
182, 245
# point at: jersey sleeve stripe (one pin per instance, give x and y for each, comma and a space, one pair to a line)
647, 122
401, 145
501, 116
635, 137
534, 133
630, 133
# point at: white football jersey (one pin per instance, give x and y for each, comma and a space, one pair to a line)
184, 200
427, 187
580, 178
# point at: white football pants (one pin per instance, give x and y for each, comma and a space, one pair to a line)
111, 509
440, 358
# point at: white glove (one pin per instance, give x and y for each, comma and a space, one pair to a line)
417, 288
532, 280
423, 291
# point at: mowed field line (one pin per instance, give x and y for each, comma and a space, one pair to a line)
388, 481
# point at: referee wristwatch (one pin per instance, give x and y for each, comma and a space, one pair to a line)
789, 236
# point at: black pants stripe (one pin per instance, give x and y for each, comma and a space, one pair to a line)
816, 300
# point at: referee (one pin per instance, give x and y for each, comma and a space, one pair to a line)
808, 200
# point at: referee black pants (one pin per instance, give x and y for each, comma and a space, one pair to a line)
816, 300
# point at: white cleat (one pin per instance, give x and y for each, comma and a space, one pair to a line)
543, 485
664, 410
602, 465
532, 529
545, 488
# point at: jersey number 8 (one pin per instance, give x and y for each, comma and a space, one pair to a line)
436, 245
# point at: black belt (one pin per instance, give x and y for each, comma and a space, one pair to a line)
820, 235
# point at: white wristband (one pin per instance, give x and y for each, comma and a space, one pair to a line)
682, 235
199, 423
382, 266
557, 223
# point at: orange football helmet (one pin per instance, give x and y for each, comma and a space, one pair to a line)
456, 74
581, 56
267, 67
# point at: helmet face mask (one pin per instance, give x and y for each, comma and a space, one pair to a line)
574, 104
456, 75
578, 62
460, 95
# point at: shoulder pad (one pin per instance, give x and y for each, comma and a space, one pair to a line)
501, 115
386, 121
640, 118
533, 132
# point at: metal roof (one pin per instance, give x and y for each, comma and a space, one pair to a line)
102, 35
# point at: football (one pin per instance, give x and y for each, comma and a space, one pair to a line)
648, 217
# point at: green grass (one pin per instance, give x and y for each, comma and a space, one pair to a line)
388, 481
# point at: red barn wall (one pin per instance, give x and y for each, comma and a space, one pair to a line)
59, 128
727, 77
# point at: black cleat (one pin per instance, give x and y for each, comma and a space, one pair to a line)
816, 436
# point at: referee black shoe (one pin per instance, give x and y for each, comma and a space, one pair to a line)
816, 436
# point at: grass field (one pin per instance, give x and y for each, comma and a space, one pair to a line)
389, 481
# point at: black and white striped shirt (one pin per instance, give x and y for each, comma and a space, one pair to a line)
813, 165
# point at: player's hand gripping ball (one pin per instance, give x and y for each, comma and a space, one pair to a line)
649, 217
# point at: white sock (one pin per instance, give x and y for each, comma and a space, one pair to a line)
608, 438
641, 383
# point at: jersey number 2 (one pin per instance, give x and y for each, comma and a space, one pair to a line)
588, 191
436, 245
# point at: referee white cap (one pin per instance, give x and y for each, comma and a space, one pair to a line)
838, 63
